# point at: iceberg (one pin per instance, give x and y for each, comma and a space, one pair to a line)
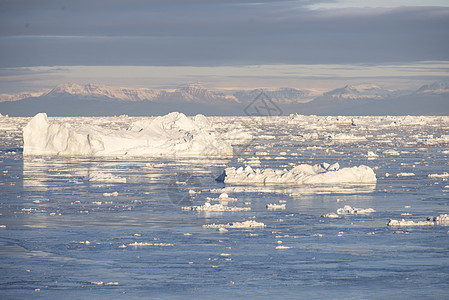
171, 135
300, 174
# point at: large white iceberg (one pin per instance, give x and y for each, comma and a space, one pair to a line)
300, 174
172, 134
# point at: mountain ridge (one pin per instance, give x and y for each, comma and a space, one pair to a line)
96, 99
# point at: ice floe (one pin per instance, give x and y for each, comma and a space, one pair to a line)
274, 206
143, 244
113, 194
215, 207
404, 222
245, 224
348, 210
223, 198
442, 219
443, 175
405, 174
330, 216
300, 174
170, 135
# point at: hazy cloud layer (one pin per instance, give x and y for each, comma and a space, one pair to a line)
213, 33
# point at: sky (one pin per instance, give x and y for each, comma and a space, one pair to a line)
223, 44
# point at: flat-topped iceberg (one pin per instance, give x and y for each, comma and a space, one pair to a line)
170, 135
300, 174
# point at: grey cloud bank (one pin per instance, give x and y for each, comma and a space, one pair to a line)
213, 33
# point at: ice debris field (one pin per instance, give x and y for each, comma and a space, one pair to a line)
179, 207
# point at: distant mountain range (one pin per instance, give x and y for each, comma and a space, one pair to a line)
91, 99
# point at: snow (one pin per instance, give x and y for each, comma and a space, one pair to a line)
170, 135
215, 207
245, 224
300, 174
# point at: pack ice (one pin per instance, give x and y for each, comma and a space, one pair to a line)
300, 174
172, 134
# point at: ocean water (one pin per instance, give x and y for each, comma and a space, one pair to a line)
124, 235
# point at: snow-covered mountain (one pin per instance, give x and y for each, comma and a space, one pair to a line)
434, 88
363, 91
17, 97
195, 93
101, 100
189, 93
103, 91
281, 95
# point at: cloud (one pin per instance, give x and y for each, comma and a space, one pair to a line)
211, 33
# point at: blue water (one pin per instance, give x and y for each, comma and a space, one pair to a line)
50, 209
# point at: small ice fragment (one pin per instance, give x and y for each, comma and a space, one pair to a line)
143, 244
97, 202
281, 247
404, 174
97, 282
372, 154
215, 207
273, 206
330, 216
221, 229
113, 194
122, 246
225, 254
349, 210
111, 283
2, 226
443, 175
442, 219
391, 152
